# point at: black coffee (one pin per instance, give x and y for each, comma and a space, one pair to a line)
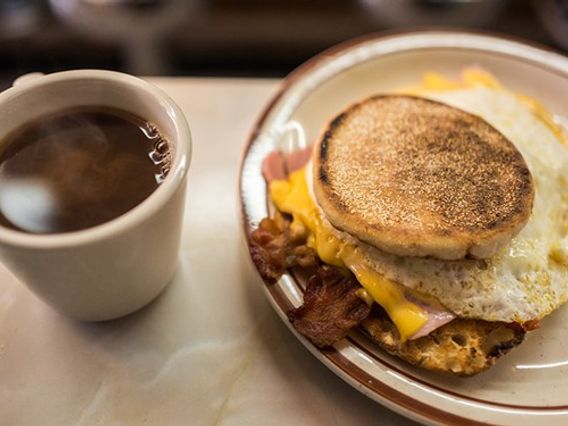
77, 169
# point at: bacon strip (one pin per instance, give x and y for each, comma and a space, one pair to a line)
331, 307
275, 247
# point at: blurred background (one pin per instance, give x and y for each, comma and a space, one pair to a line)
250, 38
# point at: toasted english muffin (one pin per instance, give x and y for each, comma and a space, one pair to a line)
464, 347
416, 177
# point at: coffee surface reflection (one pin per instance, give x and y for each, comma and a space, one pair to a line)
78, 168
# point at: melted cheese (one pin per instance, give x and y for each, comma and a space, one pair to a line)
292, 196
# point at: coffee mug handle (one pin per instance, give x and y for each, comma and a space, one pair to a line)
26, 78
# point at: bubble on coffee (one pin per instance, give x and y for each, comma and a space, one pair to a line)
161, 154
79, 168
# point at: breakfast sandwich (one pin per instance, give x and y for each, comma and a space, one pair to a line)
435, 219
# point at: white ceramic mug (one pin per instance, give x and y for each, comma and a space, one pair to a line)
112, 269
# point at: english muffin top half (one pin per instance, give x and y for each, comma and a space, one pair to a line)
415, 177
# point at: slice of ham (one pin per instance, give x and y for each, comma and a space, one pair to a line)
274, 166
437, 317
277, 166
298, 159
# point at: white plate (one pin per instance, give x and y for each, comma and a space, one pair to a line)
527, 386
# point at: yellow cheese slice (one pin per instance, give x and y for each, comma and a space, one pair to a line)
292, 196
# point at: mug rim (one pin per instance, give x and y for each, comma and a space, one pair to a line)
142, 211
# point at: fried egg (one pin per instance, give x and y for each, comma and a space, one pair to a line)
528, 278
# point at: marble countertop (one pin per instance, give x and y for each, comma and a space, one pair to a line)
209, 350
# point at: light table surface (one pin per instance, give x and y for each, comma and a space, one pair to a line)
210, 350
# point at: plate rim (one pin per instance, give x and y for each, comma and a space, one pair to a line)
409, 407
